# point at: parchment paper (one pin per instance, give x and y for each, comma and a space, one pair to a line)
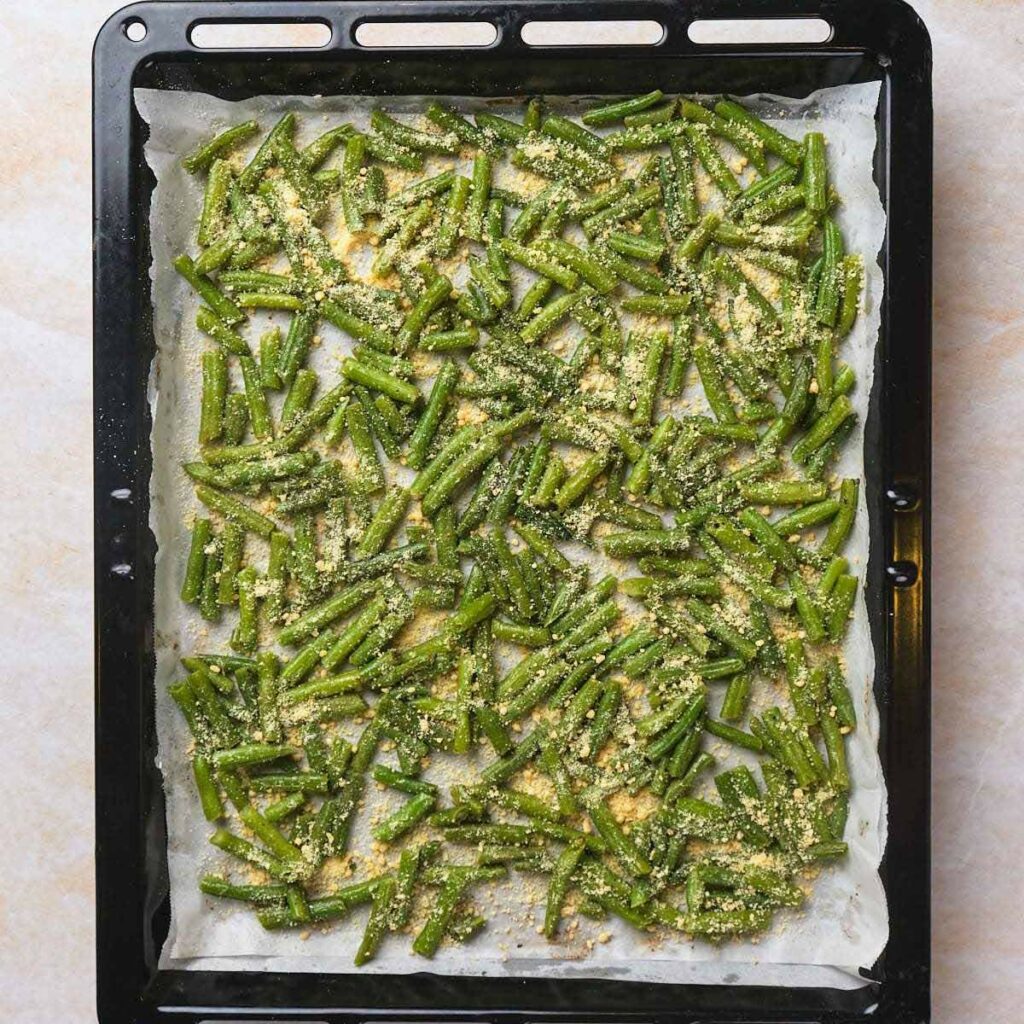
843, 926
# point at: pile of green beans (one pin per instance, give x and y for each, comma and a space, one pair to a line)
644, 358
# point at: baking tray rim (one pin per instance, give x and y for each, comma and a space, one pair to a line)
901, 506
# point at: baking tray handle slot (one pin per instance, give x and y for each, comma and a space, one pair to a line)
629, 32
758, 31
276, 34
446, 35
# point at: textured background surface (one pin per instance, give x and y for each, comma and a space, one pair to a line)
46, 931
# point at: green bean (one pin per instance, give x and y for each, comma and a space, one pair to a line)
657, 305
389, 152
379, 921
624, 208
692, 709
203, 157
407, 231
771, 206
407, 817
807, 517
566, 162
501, 128
604, 720
449, 341
251, 754
612, 112
713, 383
839, 775
209, 605
261, 895
642, 542
215, 386
405, 882
390, 514
709, 156
295, 349
497, 293
645, 136
554, 220
562, 128
699, 238
638, 247
218, 253
259, 410
701, 763
824, 427
209, 798
543, 547
452, 216
355, 155
580, 481
327, 908
549, 316
654, 115
830, 284
300, 394
208, 322
736, 540
745, 140
380, 380
476, 211
195, 568
233, 544
841, 605
533, 212
289, 782
852, 274
244, 850
835, 568
774, 141
846, 714
737, 697
370, 476
775, 546
807, 609
412, 138
716, 623
453, 123
727, 271
322, 615
235, 510
436, 293
579, 261
783, 492
222, 308
333, 709
268, 300
245, 636
429, 938
324, 686
236, 418
815, 173
321, 148
535, 259
463, 736
267, 696
733, 735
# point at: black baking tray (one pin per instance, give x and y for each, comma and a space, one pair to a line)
872, 40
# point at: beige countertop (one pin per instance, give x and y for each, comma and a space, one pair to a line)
46, 892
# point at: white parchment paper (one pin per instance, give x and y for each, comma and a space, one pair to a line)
843, 926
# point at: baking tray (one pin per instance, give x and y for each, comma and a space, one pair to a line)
872, 40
